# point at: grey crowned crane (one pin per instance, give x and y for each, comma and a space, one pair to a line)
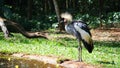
80, 30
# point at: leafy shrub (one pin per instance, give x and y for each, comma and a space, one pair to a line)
113, 19
109, 20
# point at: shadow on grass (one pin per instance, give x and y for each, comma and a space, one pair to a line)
63, 41
20, 39
68, 42
74, 43
107, 43
106, 62
66, 39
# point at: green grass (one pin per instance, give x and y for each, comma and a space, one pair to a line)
105, 54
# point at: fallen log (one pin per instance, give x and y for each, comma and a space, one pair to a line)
20, 29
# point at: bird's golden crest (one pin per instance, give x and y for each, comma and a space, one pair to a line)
67, 16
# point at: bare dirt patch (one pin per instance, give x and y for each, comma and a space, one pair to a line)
51, 61
112, 34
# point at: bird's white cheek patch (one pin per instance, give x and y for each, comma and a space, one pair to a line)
1, 23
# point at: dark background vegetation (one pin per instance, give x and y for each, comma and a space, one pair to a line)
40, 14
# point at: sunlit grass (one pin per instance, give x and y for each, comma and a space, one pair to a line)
105, 54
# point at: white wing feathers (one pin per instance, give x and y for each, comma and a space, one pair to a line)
84, 35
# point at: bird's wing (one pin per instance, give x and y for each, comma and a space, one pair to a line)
83, 26
85, 35
83, 31
71, 30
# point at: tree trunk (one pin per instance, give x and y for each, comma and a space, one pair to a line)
100, 13
29, 10
45, 6
61, 27
22, 30
67, 4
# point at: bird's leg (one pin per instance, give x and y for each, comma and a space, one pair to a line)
80, 52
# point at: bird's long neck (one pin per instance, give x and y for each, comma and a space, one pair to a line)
67, 22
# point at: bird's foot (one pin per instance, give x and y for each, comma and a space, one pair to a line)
80, 61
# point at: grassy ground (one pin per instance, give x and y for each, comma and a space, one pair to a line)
105, 54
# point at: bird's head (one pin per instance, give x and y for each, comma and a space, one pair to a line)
66, 17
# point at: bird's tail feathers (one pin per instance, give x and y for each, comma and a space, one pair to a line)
89, 46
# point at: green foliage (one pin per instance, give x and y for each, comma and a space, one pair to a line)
113, 17
91, 20
43, 22
42, 14
110, 20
